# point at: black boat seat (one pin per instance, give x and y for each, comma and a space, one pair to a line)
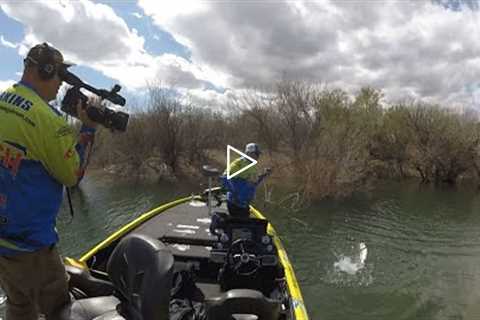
141, 269
242, 304
82, 280
98, 308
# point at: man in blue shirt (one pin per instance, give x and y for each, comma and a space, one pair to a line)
241, 188
39, 155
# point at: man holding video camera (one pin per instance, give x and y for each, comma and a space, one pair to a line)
39, 155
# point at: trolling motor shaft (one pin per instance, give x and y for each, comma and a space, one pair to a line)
210, 172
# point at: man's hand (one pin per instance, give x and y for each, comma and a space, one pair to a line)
82, 115
267, 171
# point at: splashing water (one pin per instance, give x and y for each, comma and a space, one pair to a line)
353, 264
350, 269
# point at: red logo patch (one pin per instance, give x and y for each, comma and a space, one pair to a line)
68, 154
11, 158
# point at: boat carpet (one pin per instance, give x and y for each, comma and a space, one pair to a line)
184, 228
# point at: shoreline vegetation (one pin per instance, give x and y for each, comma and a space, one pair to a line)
320, 142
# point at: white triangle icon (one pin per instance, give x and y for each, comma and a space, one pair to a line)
253, 162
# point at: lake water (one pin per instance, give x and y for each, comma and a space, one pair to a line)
404, 251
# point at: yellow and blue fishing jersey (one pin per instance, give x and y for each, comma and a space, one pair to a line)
39, 154
241, 188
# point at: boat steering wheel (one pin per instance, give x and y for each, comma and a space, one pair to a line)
242, 257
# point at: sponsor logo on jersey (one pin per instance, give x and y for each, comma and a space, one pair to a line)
16, 100
11, 157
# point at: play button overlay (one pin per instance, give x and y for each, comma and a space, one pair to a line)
230, 149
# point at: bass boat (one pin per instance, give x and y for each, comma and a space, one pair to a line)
174, 263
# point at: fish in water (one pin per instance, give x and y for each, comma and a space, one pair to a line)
352, 264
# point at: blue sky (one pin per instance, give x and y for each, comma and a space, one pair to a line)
211, 52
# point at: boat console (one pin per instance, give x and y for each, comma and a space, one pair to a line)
245, 253
235, 234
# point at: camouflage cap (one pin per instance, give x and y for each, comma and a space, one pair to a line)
44, 54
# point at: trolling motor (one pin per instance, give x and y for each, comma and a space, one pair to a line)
210, 172
109, 118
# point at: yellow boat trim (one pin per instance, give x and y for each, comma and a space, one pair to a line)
75, 263
132, 225
297, 299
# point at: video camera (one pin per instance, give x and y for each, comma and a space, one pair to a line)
107, 117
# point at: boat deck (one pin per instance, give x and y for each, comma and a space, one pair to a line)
184, 229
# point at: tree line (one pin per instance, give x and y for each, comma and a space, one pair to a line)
320, 141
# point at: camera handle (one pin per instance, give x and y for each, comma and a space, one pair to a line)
111, 95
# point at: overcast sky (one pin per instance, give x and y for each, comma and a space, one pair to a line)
210, 50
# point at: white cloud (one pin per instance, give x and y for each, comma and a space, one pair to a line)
413, 48
209, 98
91, 34
168, 69
87, 31
7, 43
4, 84
410, 49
